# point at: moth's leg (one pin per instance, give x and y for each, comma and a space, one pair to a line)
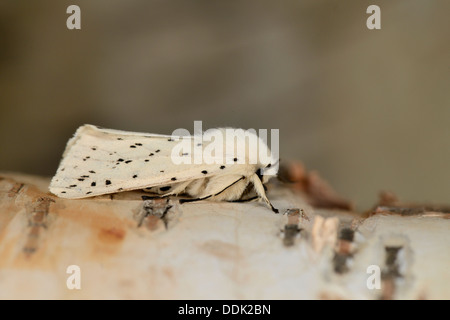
159, 192
193, 200
169, 190
196, 187
225, 188
213, 195
259, 188
154, 190
177, 188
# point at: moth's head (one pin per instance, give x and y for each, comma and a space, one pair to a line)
266, 172
267, 161
246, 147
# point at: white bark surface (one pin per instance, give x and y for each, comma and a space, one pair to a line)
210, 250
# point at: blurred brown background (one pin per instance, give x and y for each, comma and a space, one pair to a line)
368, 109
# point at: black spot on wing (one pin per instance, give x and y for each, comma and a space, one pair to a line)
167, 188
107, 182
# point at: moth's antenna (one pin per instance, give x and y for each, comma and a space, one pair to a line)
211, 195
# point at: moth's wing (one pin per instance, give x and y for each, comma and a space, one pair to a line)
101, 161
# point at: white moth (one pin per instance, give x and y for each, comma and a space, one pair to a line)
100, 161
